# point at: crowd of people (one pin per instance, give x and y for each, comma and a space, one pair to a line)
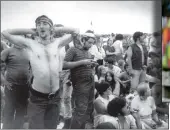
55, 74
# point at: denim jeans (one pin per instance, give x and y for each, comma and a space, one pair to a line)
15, 106
138, 77
83, 97
43, 113
66, 108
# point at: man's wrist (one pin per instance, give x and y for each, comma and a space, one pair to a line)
80, 62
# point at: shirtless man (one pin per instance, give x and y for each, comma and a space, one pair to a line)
43, 106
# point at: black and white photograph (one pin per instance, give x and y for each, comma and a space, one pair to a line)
82, 65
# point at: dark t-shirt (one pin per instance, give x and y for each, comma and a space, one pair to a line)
110, 49
17, 66
75, 54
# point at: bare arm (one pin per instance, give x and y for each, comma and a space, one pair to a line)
66, 39
154, 116
69, 62
4, 56
162, 110
71, 65
137, 118
67, 30
121, 75
11, 36
152, 79
129, 56
154, 113
116, 91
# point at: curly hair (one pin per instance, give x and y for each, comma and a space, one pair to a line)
115, 106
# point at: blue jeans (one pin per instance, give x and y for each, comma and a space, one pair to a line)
43, 113
83, 97
66, 108
138, 77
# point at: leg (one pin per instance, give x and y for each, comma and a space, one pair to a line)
81, 104
67, 107
9, 109
81, 97
36, 111
67, 112
142, 77
51, 117
21, 106
90, 110
135, 79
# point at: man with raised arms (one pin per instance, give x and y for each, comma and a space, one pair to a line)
43, 106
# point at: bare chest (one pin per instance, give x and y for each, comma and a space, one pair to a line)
48, 52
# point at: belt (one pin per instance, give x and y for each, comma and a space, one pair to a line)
44, 95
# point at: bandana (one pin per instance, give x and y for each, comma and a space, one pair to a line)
88, 35
44, 18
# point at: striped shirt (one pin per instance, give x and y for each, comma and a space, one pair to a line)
75, 54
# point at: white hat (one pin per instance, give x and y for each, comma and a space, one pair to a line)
88, 35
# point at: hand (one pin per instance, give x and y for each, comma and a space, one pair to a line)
130, 71
135, 114
76, 33
153, 125
87, 62
7, 84
94, 63
144, 67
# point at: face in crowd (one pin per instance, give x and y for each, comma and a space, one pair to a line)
87, 40
43, 29
142, 39
117, 106
89, 43
44, 26
144, 91
109, 42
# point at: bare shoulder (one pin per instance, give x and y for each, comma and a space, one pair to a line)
151, 99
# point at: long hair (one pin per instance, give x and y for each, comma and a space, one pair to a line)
113, 82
